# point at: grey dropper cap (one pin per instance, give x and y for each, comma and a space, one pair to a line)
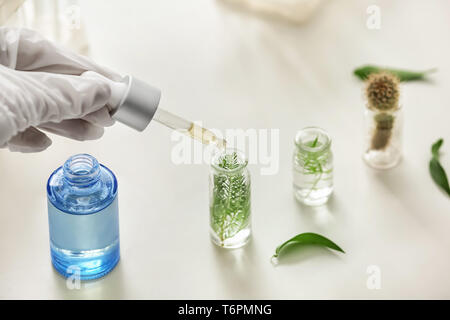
138, 105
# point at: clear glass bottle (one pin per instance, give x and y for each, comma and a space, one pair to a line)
230, 225
83, 218
313, 166
383, 137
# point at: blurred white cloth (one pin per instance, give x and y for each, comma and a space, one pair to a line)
41, 87
292, 10
59, 21
7, 8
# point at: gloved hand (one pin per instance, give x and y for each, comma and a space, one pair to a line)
41, 87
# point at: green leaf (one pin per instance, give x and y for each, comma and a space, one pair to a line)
404, 75
435, 148
314, 144
439, 176
308, 238
437, 172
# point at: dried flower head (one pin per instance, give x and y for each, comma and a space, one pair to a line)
382, 91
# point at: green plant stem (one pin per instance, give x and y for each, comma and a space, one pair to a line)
313, 164
316, 182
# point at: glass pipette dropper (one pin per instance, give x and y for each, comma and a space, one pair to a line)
189, 128
135, 103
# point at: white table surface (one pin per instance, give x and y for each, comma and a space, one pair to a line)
231, 69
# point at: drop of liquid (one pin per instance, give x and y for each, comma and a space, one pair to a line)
274, 260
205, 136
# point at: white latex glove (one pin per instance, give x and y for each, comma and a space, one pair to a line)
41, 87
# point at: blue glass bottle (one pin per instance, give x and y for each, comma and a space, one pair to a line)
83, 218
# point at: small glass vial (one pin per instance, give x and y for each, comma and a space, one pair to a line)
83, 218
313, 166
229, 208
383, 137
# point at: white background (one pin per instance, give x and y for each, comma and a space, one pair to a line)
233, 69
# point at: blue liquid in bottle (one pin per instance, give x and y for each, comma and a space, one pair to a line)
83, 218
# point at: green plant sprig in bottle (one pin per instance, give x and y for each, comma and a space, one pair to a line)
230, 199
